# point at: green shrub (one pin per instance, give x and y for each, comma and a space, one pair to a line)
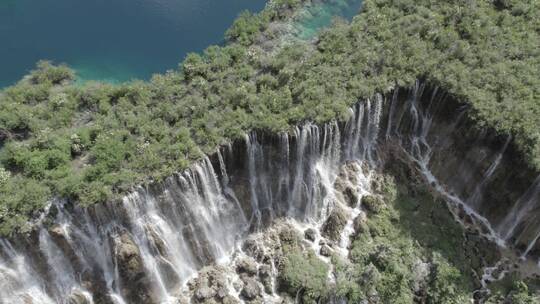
306, 275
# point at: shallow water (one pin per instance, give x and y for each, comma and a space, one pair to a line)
321, 15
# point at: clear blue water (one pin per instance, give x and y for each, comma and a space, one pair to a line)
111, 40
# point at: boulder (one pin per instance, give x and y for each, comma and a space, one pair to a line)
78, 297
351, 196
310, 234
247, 266
326, 251
251, 289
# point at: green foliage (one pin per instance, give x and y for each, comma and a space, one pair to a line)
411, 251
48, 73
93, 142
446, 287
512, 289
305, 274
246, 27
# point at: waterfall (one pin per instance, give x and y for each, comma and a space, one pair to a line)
144, 248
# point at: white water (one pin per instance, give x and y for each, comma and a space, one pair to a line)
197, 217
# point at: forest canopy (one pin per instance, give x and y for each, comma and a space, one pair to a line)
91, 143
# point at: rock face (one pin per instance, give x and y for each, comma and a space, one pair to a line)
135, 283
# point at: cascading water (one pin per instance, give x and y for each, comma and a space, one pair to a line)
145, 248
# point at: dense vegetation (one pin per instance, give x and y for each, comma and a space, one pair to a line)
409, 250
91, 143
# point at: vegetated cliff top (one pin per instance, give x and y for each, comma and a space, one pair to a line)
92, 142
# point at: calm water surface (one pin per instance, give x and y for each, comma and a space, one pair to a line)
111, 40
119, 40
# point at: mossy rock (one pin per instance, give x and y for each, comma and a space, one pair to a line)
334, 224
373, 204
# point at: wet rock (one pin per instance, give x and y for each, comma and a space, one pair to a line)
230, 300
79, 298
204, 293
247, 266
251, 289
310, 234
157, 241
326, 251
58, 236
372, 203
237, 285
265, 276
194, 235
334, 225
253, 249
351, 196
210, 286
135, 283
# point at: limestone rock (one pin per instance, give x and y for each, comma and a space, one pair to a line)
78, 298
251, 289
204, 293
420, 275
210, 286
230, 300
135, 283
265, 276
247, 266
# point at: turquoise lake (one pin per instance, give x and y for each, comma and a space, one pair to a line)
120, 40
